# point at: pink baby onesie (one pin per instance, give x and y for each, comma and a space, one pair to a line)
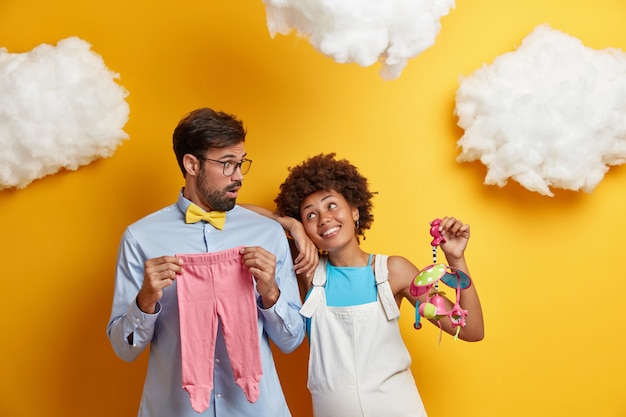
216, 286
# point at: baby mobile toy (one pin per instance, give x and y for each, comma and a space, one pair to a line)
427, 282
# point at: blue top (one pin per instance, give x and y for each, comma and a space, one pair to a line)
166, 233
350, 285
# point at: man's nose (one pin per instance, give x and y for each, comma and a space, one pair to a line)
237, 175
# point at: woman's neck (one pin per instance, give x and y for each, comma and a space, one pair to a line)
348, 256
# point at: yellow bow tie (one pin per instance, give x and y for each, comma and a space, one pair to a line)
215, 218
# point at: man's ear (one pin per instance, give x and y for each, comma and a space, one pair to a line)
191, 164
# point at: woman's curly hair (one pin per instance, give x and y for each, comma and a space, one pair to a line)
324, 172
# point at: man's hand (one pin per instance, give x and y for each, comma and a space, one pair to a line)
262, 265
158, 274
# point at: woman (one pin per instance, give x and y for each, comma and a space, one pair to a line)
358, 362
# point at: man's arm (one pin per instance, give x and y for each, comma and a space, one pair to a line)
281, 315
130, 329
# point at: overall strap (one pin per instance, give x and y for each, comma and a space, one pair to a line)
384, 289
316, 295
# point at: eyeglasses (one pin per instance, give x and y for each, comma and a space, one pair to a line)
229, 167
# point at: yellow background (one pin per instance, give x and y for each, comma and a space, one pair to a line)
548, 270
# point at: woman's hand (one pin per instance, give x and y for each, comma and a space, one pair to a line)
308, 256
456, 235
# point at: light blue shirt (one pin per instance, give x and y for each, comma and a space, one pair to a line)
166, 233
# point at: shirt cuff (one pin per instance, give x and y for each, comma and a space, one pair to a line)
137, 318
279, 313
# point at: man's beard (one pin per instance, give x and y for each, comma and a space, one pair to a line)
217, 200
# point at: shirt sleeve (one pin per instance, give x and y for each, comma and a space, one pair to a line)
283, 322
129, 330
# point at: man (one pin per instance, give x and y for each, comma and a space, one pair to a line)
146, 312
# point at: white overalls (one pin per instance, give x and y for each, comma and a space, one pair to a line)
358, 363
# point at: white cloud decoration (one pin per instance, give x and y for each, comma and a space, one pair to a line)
550, 114
60, 107
362, 31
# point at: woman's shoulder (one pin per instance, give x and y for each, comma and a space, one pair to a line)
393, 259
399, 265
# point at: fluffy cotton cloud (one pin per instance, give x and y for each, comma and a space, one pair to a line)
59, 108
550, 114
362, 31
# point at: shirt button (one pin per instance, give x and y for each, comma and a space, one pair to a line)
137, 319
217, 360
219, 395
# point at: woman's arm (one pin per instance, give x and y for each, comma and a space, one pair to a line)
304, 252
456, 235
402, 273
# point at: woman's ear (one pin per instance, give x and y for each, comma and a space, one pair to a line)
355, 214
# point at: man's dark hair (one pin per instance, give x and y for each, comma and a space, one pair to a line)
203, 129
